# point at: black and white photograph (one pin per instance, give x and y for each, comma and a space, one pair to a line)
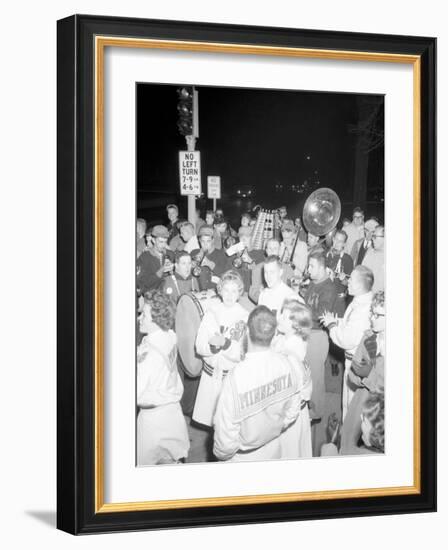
260, 274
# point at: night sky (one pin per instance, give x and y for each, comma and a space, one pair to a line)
251, 137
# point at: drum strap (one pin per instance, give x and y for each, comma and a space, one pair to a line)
194, 283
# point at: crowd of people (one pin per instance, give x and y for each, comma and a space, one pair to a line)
275, 322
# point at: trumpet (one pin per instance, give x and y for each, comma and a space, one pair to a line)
304, 284
196, 263
237, 262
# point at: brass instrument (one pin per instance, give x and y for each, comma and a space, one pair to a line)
264, 229
196, 263
321, 211
238, 261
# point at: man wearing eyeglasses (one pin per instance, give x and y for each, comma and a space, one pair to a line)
361, 246
355, 230
374, 258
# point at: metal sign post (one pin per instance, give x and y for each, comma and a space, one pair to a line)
189, 161
214, 189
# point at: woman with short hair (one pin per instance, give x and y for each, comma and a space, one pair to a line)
219, 343
162, 435
294, 327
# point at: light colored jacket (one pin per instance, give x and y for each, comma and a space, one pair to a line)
349, 330
259, 399
374, 260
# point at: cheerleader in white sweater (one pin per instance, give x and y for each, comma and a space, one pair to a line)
162, 435
294, 327
219, 343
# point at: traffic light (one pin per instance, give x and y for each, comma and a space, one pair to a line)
187, 109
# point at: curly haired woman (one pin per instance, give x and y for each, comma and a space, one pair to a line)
162, 435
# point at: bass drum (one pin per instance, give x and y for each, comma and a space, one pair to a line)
189, 313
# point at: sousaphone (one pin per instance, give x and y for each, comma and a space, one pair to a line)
321, 211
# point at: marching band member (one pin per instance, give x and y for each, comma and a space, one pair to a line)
222, 231
214, 260
348, 331
162, 435
320, 296
292, 249
181, 281
300, 230
218, 342
246, 260
259, 399
155, 262
294, 327
340, 266
258, 282
276, 291
314, 244
339, 262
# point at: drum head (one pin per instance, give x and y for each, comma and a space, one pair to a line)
189, 313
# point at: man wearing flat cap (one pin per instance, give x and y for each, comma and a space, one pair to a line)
156, 262
213, 261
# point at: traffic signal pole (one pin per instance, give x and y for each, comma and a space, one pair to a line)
188, 126
191, 144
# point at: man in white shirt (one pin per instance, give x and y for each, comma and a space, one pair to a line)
347, 332
374, 259
259, 399
354, 230
188, 235
258, 282
277, 291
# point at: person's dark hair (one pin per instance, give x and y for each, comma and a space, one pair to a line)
186, 224
366, 275
230, 241
221, 219
358, 210
319, 256
341, 232
180, 254
172, 206
373, 411
179, 223
162, 308
273, 260
262, 325
210, 213
300, 316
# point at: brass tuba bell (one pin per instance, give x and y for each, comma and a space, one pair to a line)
321, 211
